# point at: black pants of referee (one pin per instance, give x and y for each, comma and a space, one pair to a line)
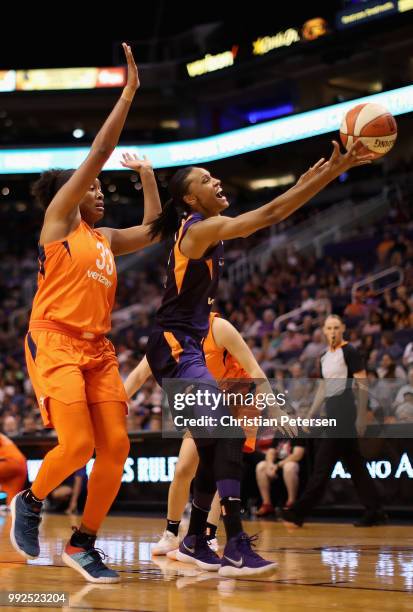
329, 451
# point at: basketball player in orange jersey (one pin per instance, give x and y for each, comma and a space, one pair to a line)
13, 469
72, 365
227, 357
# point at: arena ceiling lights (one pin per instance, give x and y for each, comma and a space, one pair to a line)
202, 150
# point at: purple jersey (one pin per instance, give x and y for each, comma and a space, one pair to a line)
191, 286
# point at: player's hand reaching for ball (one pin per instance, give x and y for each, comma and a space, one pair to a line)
339, 162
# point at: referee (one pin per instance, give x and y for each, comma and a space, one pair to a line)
339, 365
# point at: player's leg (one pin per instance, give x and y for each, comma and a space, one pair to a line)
185, 471
112, 447
74, 449
212, 523
194, 547
239, 558
364, 484
325, 458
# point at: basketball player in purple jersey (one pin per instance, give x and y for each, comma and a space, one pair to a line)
174, 350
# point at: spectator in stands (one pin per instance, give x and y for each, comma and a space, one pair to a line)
390, 346
323, 304
312, 351
11, 426
30, 426
292, 341
267, 323
402, 314
283, 457
389, 369
356, 308
298, 388
366, 347
404, 412
251, 324
407, 388
408, 355
373, 326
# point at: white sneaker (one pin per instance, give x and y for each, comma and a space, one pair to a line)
213, 545
172, 554
167, 542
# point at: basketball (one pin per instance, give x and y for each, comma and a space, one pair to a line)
372, 125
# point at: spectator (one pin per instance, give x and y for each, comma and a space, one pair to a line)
267, 323
389, 369
11, 426
407, 388
30, 426
389, 346
313, 351
356, 308
284, 457
408, 355
404, 413
373, 326
292, 341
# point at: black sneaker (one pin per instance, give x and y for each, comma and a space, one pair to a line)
371, 518
289, 515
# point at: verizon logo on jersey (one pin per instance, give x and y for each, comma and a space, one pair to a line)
100, 278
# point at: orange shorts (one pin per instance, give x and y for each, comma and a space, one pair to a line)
71, 369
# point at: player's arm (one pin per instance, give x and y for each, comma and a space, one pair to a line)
362, 398
61, 210
226, 336
202, 235
318, 399
132, 239
137, 377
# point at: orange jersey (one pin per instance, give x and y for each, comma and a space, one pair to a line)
76, 282
219, 362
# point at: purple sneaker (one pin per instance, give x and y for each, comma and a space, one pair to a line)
195, 549
239, 560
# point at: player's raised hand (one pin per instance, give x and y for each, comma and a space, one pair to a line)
133, 82
135, 163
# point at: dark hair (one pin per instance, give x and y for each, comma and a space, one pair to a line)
49, 183
174, 209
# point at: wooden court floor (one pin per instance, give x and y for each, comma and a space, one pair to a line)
320, 567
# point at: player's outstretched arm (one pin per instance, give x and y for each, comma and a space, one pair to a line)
202, 235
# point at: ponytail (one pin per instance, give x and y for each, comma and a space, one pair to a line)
175, 209
167, 222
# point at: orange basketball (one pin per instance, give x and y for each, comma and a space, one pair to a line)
372, 125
